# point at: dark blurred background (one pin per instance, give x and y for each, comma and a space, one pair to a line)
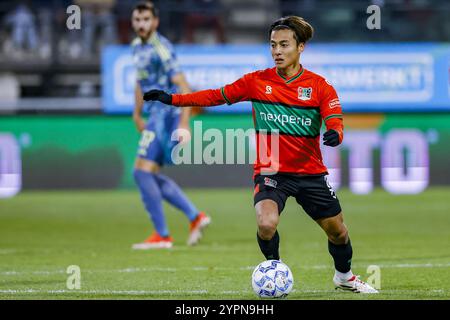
39, 57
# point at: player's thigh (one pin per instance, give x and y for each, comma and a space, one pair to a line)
269, 201
318, 198
168, 138
175, 138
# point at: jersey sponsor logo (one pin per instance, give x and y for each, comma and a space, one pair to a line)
334, 103
268, 90
304, 93
270, 182
284, 118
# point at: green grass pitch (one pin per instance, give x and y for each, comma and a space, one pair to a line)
42, 233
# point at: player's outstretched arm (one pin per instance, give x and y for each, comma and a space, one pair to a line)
204, 98
231, 93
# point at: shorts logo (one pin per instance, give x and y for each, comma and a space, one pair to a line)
270, 182
330, 188
268, 90
304, 93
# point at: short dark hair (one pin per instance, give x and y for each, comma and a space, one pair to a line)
146, 5
303, 31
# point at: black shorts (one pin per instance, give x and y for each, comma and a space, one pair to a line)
313, 193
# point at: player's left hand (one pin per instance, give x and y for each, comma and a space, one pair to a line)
331, 138
158, 95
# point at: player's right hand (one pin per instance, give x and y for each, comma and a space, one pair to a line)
158, 95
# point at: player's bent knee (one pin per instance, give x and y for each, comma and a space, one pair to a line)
267, 223
267, 217
266, 234
339, 236
266, 230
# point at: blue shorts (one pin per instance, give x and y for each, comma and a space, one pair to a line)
156, 144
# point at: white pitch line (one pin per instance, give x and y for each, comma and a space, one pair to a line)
7, 251
40, 272
197, 292
105, 292
204, 268
412, 265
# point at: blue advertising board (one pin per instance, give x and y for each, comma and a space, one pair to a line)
367, 77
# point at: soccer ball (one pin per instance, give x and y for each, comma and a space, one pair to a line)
272, 279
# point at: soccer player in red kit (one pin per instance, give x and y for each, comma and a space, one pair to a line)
289, 103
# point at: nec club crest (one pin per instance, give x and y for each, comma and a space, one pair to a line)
304, 93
